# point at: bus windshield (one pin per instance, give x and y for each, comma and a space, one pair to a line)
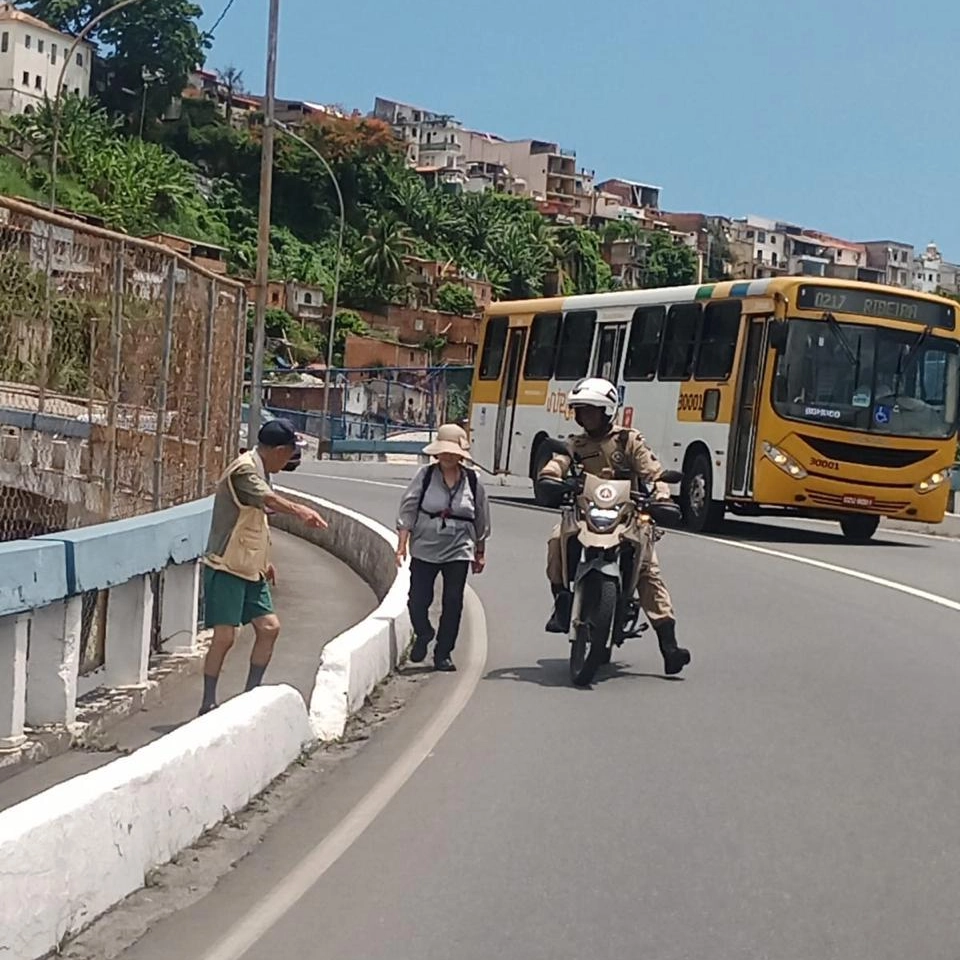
892, 382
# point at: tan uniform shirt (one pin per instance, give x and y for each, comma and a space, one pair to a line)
622, 449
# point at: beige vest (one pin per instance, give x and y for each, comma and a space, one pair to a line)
248, 550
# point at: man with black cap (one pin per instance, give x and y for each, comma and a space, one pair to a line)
237, 567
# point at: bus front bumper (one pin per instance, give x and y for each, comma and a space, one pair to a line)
818, 496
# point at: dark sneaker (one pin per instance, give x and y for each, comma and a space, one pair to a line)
206, 708
418, 652
445, 665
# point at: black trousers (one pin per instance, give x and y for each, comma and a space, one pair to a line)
423, 577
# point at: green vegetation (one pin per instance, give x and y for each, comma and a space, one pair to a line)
198, 176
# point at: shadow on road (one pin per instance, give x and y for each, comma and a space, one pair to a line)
556, 673
746, 530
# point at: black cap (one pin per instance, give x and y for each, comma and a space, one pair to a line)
277, 433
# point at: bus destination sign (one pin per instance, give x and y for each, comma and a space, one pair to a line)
886, 306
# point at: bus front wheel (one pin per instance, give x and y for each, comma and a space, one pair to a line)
858, 527
701, 513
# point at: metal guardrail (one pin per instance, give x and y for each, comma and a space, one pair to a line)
403, 447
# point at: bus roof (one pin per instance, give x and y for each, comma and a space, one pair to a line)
704, 291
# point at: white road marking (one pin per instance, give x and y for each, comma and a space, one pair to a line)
269, 911
831, 568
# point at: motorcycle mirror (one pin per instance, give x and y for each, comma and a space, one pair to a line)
671, 476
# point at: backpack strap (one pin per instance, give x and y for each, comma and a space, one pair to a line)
427, 477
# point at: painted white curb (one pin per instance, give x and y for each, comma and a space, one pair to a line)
73, 851
355, 662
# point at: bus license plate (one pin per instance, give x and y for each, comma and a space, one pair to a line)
850, 500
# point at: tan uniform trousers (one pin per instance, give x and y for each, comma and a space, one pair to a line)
654, 597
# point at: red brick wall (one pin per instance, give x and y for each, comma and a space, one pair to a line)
370, 352
402, 323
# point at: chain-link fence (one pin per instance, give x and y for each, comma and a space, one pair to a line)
120, 374
373, 403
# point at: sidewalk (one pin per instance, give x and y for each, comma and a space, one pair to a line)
317, 597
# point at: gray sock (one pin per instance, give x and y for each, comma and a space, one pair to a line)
255, 676
209, 690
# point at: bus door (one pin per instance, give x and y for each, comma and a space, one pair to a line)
503, 437
744, 431
608, 352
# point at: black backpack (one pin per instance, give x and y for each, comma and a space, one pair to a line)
472, 480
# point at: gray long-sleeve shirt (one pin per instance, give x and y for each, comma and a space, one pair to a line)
436, 539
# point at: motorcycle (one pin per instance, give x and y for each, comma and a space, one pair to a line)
608, 532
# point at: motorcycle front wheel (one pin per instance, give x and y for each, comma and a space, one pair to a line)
598, 606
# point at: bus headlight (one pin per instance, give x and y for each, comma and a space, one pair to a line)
784, 461
932, 482
601, 518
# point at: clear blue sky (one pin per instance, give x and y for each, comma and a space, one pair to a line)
836, 115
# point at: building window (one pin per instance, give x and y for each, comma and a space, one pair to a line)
773, 258
680, 341
903, 256
544, 335
79, 59
773, 238
576, 344
643, 348
76, 90
28, 41
749, 234
718, 340
26, 78
53, 53
494, 343
761, 236
40, 44
4, 42
38, 82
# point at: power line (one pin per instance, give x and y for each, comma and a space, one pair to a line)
221, 18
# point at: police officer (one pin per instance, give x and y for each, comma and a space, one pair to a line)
603, 446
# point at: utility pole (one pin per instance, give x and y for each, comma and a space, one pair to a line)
263, 231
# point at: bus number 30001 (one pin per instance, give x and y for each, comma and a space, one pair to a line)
690, 401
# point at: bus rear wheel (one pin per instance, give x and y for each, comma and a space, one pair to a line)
701, 513
858, 527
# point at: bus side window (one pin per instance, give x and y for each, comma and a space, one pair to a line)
643, 350
491, 359
576, 345
718, 340
680, 341
542, 351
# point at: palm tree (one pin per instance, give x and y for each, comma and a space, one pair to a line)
231, 79
383, 249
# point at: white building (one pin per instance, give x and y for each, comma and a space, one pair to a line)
769, 241
32, 55
933, 274
433, 141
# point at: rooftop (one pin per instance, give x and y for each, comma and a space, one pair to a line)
8, 12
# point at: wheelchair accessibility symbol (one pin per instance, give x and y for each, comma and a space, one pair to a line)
881, 415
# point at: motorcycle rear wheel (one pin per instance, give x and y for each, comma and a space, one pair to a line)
598, 606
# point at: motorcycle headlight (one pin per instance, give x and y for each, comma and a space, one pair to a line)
933, 481
602, 518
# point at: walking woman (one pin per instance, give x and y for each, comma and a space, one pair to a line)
444, 525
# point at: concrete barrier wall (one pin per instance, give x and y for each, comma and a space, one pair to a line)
72, 852
355, 662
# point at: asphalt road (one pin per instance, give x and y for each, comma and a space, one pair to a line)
792, 797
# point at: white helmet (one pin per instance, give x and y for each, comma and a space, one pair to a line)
595, 392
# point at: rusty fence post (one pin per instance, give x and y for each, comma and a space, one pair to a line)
161, 407
207, 387
116, 357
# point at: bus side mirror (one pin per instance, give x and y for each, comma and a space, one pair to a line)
777, 335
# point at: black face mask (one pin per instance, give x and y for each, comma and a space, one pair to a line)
602, 429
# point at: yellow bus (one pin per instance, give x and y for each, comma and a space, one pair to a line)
791, 395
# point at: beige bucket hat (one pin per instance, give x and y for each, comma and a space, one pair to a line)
450, 438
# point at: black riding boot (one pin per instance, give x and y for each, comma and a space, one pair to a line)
674, 658
559, 621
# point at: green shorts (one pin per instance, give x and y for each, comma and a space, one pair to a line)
231, 601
